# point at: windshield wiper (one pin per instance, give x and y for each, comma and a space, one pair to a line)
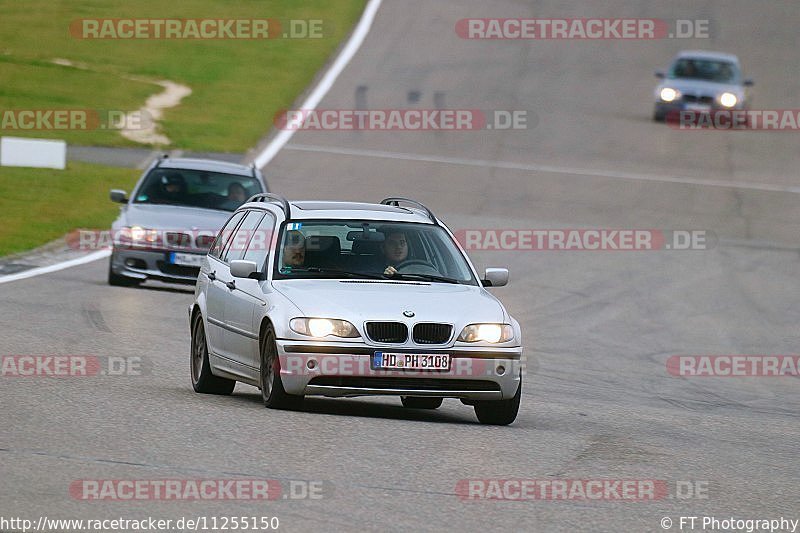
425, 277
368, 275
337, 271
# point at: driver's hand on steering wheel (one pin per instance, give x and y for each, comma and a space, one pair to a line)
390, 271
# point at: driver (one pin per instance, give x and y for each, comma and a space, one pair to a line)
395, 250
237, 193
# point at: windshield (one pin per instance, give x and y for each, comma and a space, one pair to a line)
705, 69
196, 188
370, 250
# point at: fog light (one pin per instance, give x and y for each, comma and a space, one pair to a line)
311, 364
501, 370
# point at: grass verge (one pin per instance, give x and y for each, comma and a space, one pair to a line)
40, 205
238, 84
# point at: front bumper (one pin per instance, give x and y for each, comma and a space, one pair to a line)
663, 109
154, 264
341, 369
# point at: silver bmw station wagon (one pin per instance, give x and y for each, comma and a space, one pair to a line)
347, 299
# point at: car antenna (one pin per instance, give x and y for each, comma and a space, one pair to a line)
160, 159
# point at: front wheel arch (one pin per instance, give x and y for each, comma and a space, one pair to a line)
195, 312
203, 379
277, 398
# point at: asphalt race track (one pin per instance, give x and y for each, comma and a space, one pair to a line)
598, 402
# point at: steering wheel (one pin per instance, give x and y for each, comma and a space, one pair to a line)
403, 265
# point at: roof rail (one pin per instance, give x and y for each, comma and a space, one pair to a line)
395, 201
161, 158
272, 197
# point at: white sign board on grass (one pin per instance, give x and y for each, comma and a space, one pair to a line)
40, 153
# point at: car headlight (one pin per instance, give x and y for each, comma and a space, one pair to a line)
728, 99
493, 333
138, 234
323, 327
668, 94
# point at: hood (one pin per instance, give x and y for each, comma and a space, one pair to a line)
361, 300
701, 87
170, 217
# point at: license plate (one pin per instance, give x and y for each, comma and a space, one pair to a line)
179, 258
410, 361
698, 107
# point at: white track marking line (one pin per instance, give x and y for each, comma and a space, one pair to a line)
94, 256
327, 81
266, 155
484, 163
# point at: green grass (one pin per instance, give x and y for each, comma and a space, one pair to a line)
238, 85
40, 205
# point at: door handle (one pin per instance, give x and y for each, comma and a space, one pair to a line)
230, 284
212, 276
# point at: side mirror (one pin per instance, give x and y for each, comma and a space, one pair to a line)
243, 269
749, 83
119, 196
659, 74
495, 277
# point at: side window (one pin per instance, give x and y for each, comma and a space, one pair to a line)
224, 235
238, 242
258, 249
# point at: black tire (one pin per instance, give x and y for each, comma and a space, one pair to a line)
272, 392
659, 116
499, 412
115, 280
203, 381
413, 402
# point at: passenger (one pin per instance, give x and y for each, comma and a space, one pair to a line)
172, 188
689, 70
294, 249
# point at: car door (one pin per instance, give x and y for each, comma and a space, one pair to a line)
214, 290
237, 318
248, 296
